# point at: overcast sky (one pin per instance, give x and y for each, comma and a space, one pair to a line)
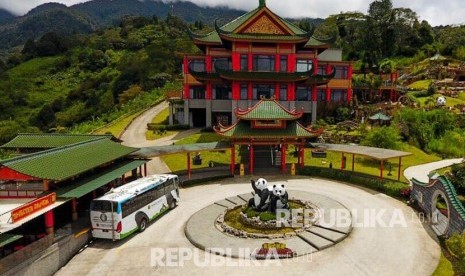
436, 12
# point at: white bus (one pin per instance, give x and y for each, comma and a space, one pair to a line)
129, 208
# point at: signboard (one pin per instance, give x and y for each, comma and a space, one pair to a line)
275, 250
32, 207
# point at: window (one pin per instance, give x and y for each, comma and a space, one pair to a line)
338, 95
244, 63
244, 91
197, 92
103, 206
283, 63
283, 93
222, 63
139, 201
263, 63
304, 65
222, 92
197, 65
302, 93
321, 96
341, 72
263, 90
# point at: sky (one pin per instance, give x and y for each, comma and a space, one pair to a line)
435, 12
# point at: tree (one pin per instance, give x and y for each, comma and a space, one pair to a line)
383, 137
45, 119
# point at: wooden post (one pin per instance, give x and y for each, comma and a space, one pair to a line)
233, 159
381, 167
189, 165
74, 214
303, 157
342, 162
400, 169
251, 159
46, 185
145, 169
353, 162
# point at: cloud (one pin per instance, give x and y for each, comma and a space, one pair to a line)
435, 12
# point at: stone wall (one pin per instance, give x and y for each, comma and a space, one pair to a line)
425, 195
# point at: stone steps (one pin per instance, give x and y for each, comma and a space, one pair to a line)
315, 240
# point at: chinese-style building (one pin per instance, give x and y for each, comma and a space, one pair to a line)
267, 124
261, 54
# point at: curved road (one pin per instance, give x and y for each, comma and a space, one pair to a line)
405, 249
421, 172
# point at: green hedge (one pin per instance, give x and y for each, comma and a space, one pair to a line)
166, 127
389, 187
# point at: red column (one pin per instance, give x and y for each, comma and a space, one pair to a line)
283, 158
277, 90
350, 72
49, 222
251, 159
314, 93
353, 162
233, 159
145, 169
277, 62
189, 165
186, 91
94, 194
208, 63
291, 92
209, 91
236, 91
342, 162
315, 66
74, 214
291, 63
303, 157
236, 61
328, 68
349, 95
185, 65
250, 91
250, 61
328, 94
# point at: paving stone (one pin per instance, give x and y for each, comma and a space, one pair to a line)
225, 203
314, 240
327, 234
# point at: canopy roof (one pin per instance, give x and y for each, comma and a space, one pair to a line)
261, 25
375, 153
267, 109
242, 129
380, 116
64, 162
50, 140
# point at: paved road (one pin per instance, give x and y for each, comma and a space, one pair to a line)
421, 172
134, 136
374, 250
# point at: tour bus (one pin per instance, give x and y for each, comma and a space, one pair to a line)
130, 207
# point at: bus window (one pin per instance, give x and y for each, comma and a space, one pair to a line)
102, 206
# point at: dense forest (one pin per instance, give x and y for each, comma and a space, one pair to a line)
55, 82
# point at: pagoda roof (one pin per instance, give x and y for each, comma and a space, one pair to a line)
51, 140
242, 129
261, 25
267, 109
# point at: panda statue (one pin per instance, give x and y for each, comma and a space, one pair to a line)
441, 101
261, 200
279, 198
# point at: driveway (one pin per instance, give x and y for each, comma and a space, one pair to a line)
404, 249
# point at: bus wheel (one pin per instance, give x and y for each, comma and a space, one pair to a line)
142, 224
173, 204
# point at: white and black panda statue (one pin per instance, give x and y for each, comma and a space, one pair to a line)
261, 200
279, 198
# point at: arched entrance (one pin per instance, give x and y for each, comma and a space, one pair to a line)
440, 213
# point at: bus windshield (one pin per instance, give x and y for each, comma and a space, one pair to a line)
102, 206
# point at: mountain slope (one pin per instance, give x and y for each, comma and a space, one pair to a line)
6, 16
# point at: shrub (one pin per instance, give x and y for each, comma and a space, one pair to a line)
383, 137
166, 127
267, 216
456, 244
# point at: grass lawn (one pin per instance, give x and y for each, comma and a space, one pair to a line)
118, 126
444, 267
161, 118
420, 85
153, 135
450, 102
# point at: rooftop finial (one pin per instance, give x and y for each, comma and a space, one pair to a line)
262, 3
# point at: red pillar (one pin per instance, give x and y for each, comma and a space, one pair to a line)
233, 159
94, 194
250, 62
400, 168
353, 162
349, 95
314, 93
186, 91
328, 94
250, 91
236, 90
277, 63
350, 72
49, 222
186, 65
74, 214
303, 157
236, 61
209, 91
291, 61
189, 165
208, 63
145, 169
251, 159
381, 167
315, 66
342, 162
283, 158
277, 91
291, 92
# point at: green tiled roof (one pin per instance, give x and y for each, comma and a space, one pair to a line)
87, 185
8, 238
243, 130
267, 110
68, 161
48, 141
380, 116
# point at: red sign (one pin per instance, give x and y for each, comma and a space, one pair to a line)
32, 207
272, 251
